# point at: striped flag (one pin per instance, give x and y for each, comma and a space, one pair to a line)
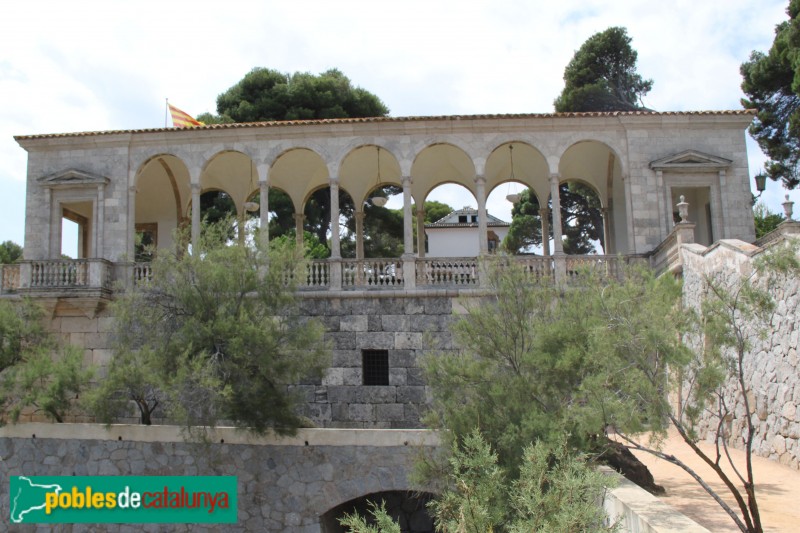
181, 119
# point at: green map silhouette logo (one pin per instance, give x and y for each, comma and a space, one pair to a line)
28, 497
123, 499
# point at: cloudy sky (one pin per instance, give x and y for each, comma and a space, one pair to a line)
99, 65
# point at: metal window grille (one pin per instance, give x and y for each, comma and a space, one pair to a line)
375, 367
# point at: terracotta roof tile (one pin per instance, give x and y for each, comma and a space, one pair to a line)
283, 123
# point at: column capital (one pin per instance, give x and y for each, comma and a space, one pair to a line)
420, 212
544, 211
299, 217
406, 181
555, 176
133, 189
359, 215
195, 187
480, 180
333, 182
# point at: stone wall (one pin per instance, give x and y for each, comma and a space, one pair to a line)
284, 484
772, 369
405, 324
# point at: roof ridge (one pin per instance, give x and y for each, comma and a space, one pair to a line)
358, 120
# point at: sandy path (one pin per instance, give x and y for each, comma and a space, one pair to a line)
777, 489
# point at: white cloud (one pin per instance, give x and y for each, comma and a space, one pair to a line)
109, 64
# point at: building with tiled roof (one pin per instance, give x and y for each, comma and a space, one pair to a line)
456, 235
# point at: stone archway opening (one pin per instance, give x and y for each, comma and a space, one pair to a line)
407, 508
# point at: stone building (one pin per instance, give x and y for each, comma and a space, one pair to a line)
380, 313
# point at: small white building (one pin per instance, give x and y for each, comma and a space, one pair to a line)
456, 235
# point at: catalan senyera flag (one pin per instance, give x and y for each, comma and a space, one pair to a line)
181, 119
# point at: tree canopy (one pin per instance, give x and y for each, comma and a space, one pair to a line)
581, 221
214, 335
35, 371
602, 76
265, 94
772, 85
9, 252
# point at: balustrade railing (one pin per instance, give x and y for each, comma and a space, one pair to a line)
378, 273
324, 274
142, 273
448, 271
609, 266
9, 281
57, 274
318, 275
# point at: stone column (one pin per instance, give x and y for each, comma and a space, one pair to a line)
555, 198
408, 230
99, 229
606, 231
544, 215
409, 261
131, 247
263, 210
420, 233
48, 237
336, 252
629, 214
359, 215
195, 213
299, 218
483, 243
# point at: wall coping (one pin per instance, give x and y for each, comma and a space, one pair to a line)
638, 510
227, 435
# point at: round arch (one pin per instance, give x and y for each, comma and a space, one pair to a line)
232, 172
360, 168
407, 508
596, 164
298, 172
441, 163
163, 191
530, 168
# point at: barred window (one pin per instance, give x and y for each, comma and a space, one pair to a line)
375, 367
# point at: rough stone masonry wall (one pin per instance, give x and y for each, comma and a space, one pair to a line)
405, 324
772, 368
283, 484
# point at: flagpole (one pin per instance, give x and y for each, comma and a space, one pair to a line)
166, 111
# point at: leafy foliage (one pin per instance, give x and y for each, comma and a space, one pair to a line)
556, 492
9, 252
214, 336
602, 76
581, 221
536, 362
772, 85
765, 220
34, 370
266, 94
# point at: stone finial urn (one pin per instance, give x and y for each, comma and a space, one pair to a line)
683, 209
788, 208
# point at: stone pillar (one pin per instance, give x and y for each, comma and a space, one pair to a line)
408, 230
131, 246
409, 261
544, 215
359, 215
606, 231
48, 237
420, 233
263, 210
336, 252
299, 218
195, 213
483, 244
99, 229
629, 214
555, 198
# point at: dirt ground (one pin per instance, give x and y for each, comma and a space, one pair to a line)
777, 489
